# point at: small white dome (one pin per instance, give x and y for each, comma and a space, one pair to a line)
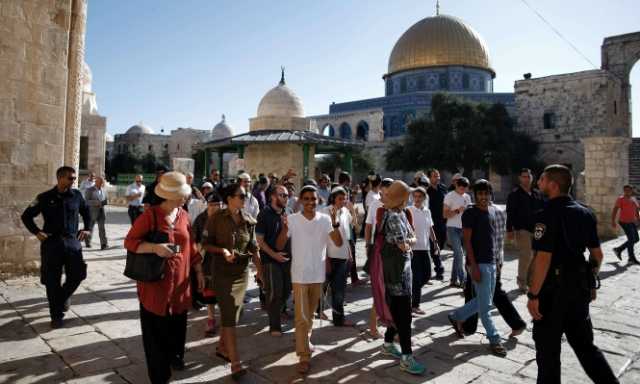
281, 101
108, 137
222, 130
140, 129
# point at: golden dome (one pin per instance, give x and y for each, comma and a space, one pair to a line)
439, 41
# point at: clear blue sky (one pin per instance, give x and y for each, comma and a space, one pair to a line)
184, 63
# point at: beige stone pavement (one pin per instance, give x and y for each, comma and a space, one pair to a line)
101, 341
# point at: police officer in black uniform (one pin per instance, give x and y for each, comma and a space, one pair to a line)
563, 282
60, 240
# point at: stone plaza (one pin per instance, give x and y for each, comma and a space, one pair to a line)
101, 341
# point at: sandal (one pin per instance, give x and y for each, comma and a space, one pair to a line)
238, 370
303, 367
456, 326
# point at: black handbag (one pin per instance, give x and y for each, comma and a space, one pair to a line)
147, 267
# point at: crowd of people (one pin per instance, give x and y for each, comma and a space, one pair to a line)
302, 245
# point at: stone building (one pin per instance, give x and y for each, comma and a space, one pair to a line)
583, 120
42, 44
140, 140
93, 129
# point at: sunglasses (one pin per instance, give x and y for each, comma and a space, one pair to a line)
241, 196
71, 178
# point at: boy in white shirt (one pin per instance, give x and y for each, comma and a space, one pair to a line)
309, 232
421, 261
339, 257
455, 202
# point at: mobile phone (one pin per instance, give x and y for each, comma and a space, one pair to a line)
174, 247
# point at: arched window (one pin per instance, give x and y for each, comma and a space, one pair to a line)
362, 131
345, 131
328, 130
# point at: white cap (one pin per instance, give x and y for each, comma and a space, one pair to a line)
207, 185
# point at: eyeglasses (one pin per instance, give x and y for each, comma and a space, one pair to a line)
71, 178
241, 196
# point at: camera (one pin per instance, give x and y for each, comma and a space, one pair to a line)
174, 247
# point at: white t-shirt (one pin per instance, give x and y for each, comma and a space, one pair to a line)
133, 189
422, 223
308, 247
251, 206
454, 200
371, 213
370, 197
344, 219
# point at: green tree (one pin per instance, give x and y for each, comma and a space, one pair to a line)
461, 135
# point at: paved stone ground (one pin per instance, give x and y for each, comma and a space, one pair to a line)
101, 341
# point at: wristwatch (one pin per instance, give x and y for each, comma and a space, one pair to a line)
531, 296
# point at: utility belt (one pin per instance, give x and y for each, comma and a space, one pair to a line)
579, 277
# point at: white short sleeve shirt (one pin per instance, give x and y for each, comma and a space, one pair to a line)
454, 200
422, 223
343, 251
308, 247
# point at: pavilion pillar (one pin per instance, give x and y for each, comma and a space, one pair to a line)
305, 161
220, 162
348, 161
207, 162
241, 152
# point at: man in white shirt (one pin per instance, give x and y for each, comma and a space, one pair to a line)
421, 260
87, 183
324, 189
251, 205
455, 202
339, 257
135, 194
309, 232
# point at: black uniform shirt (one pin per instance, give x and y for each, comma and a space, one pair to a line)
269, 226
150, 196
60, 212
565, 228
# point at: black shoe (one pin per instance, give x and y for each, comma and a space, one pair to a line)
634, 261
87, 245
66, 305
177, 364
618, 253
439, 277
103, 247
57, 323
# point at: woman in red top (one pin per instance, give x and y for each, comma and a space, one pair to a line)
628, 207
164, 304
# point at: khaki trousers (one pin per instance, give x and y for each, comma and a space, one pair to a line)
307, 298
525, 256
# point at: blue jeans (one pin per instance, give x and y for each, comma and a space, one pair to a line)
457, 270
631, 231
481, 304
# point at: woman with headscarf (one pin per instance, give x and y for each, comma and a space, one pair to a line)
231, 238
391, 275
164, 303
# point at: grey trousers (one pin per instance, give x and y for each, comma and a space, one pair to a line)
100, 218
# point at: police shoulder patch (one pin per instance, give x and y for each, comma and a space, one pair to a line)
34, 203
539, 231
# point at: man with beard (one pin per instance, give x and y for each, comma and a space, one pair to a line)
437, 192
563, 282
276, 261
